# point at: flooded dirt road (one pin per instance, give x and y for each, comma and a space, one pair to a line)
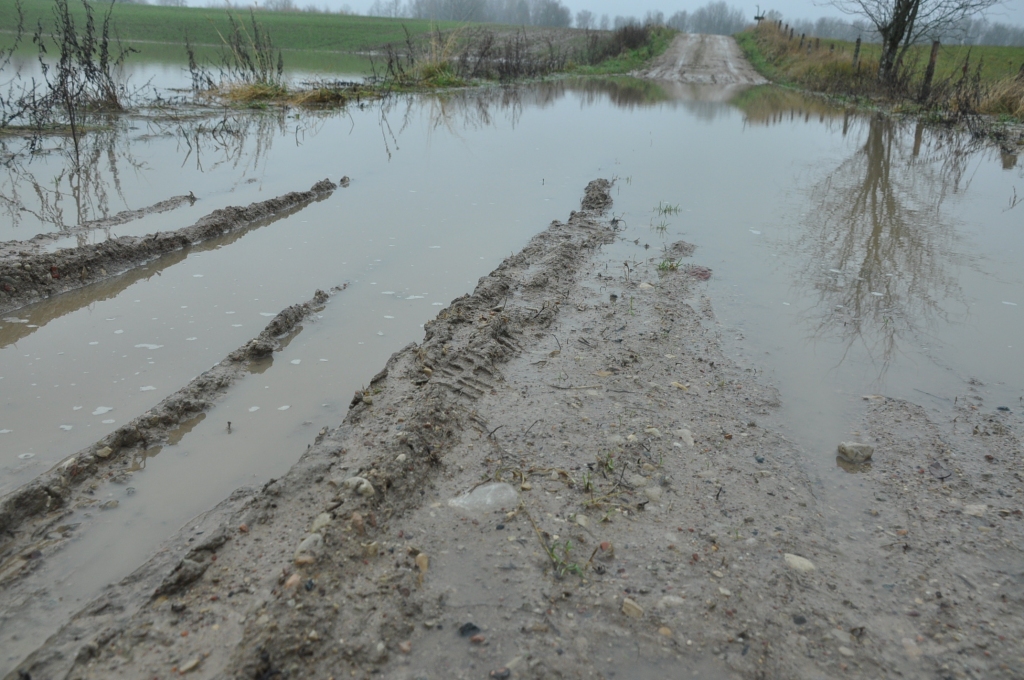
567, 477
703, 60
928, 287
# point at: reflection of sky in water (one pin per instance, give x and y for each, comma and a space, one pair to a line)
802, 213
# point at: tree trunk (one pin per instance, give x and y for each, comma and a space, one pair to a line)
893, 35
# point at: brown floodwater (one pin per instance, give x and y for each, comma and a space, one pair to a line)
851, 254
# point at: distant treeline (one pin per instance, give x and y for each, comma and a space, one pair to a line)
714, 17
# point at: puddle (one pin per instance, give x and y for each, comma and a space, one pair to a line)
801, 213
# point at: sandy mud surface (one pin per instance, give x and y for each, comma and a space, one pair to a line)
29, 273
568, 479
704, 60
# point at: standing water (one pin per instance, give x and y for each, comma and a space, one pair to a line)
851, 254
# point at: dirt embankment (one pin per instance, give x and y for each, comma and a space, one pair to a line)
651, 523
703, 60
27, 274
30, 516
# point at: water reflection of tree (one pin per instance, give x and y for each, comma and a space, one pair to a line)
39, 188
30, 188
880, 249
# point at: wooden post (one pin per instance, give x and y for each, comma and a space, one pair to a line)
929, 73
804, 35
817, 43
856, 54
832, 48
1020, 74
918, 134
790, 32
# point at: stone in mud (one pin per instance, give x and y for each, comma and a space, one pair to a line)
309, 548
632, 609
801, 564
487, 497
360, 485
321, 521
104, 452
670, 602
855, 452
685, 436
653, 493
975, 510
109, 505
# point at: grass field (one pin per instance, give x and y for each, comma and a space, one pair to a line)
999, 90
290, 30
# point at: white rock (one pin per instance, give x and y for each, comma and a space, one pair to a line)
645, 286
801, 564
401, 458
310, 545
583, 521
653, 493
361, 485
104, 452
653, 431
975, 510
487, 497
855, 452
685, 436
670, 601
322, 520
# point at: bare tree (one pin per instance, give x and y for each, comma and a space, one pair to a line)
901, 23
586, 19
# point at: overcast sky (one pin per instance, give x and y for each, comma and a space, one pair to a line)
1011, 11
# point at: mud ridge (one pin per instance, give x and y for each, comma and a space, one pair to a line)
29, 513
446, 382
27, 275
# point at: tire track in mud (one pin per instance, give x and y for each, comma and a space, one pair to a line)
435, 419
30, 514
27, 276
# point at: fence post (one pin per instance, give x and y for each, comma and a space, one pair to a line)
856, 54
929, 73
804, 35
817, 43
790, 32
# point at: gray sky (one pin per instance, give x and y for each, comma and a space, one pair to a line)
1010, 12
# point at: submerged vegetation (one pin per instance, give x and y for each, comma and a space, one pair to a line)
950, 83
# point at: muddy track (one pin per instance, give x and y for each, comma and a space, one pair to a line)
28, 275
30, 514
704, 60
658, 526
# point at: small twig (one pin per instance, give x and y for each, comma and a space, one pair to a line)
556, 340
494, 430
582, 387
531, 426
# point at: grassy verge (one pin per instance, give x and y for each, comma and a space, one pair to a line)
968, 80
630, 59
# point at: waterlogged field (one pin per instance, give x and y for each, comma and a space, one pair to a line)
850, 255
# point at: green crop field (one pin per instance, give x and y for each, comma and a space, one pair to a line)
289, 30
